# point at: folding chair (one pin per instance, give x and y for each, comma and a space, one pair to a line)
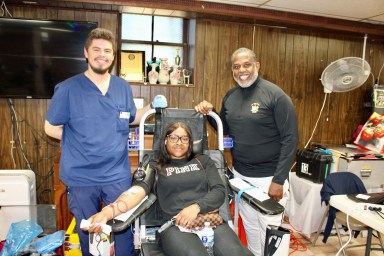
337, 184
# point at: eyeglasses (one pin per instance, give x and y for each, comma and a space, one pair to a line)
246, 65
174, 138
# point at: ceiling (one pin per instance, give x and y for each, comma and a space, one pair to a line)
371, 11
346, 16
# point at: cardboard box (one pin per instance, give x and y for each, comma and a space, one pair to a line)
312, 165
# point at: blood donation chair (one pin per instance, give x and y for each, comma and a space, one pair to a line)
145, 217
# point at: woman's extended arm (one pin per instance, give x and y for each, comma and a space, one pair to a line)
125, 202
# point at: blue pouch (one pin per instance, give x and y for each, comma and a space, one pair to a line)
20, 234
50, 242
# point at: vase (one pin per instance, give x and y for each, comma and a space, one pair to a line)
177, 58
175, 75
163, 74
153, 75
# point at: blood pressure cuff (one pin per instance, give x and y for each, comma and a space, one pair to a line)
148, 180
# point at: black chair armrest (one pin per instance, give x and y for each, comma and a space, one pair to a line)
118, 225
268, 206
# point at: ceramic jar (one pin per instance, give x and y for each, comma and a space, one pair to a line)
175, 75
163, 74
153, 75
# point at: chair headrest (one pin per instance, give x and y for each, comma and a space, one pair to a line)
195, 120
197, 147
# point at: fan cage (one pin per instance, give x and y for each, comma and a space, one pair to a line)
345, 74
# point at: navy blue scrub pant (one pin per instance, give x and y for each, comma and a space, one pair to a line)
86, 201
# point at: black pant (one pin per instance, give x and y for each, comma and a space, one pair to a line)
226, 243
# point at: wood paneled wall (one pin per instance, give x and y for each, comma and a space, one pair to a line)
292, 59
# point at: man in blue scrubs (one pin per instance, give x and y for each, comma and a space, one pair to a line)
90, 113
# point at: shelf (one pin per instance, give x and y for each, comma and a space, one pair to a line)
166, 85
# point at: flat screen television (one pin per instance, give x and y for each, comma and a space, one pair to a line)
35, 55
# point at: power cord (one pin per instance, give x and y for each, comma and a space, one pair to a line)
378, 77
371, 208
378, 211
19, 155
375, 209
15, 131
314, 128
349, 239
296, 243
318, 119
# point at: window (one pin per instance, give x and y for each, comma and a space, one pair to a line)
159, 37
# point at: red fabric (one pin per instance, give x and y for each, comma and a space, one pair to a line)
242, 236
59, 251
2, 243
357, 132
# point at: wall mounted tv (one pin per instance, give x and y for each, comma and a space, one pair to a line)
35, 55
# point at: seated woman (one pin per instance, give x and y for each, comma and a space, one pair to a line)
187, 185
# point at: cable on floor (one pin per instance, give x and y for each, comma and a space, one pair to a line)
296, 243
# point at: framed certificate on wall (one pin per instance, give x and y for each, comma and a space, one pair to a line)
132, 65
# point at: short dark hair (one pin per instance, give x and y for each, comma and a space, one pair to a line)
101, 33
247, 51
164, 156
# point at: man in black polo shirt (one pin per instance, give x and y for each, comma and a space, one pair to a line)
261, 120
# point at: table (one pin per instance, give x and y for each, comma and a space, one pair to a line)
304, 207
369, 218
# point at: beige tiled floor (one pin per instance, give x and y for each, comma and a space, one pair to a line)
302, 246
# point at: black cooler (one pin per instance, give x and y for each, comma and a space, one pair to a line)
313, 165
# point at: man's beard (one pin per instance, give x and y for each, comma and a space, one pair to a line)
100, 71
246, 84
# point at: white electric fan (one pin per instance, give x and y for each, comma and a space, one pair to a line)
342, 75
345, 74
